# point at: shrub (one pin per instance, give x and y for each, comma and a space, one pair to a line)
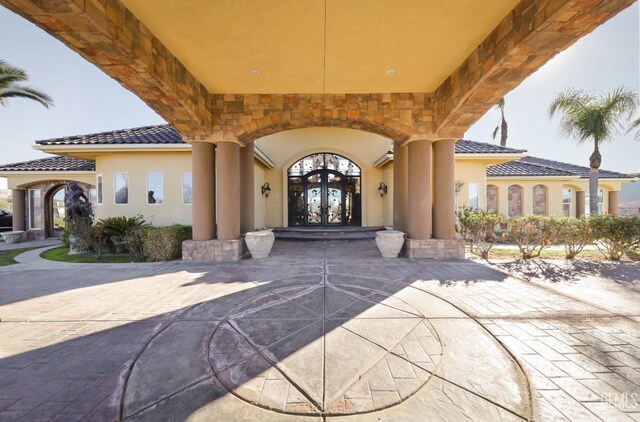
615, 235
575, 234
93, 239
126, 232
533, 233
477, 227
164, 243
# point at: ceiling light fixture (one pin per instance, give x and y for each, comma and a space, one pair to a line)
389, 72
254, 72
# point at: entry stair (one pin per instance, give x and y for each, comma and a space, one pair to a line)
338, 233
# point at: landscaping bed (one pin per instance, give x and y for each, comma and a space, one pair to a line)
7, 257
61, 254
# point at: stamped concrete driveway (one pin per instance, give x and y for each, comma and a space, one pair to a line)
318, 331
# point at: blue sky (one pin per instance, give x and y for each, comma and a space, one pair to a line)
89, 101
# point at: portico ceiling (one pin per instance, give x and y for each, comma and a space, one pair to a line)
320, 46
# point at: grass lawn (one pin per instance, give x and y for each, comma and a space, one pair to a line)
62, 254
591, 254
6, 257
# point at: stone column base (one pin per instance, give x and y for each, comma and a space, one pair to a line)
434, 248
213, 250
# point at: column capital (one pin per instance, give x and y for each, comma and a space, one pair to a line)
213, 139
431, 138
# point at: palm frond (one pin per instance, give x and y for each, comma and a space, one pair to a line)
9, 87
495, 132
23, 92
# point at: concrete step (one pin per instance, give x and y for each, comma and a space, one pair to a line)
342, 233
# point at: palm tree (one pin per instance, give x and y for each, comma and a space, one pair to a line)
635, 125
10, 77
502, 126
593, 118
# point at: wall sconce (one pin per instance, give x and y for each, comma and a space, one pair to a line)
382, 189
266, 190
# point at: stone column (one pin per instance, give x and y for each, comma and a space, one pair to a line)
247, 189
400, 186
19, 215
203, 207
228, 190
444, 222
580, 198
613, 203
419, 190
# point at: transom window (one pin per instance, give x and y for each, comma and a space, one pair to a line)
324, 161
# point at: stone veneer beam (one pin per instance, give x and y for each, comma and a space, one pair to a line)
528, 37
108, 35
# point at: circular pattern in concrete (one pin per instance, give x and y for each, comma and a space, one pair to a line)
334, 349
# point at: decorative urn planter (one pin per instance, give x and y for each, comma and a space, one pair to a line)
259, 243
389, 242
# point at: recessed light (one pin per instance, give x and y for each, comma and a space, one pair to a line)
389, 72
254, 72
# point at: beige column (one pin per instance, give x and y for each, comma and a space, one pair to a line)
400, 186
203, 208
613, 202
228, 190
18, 197
580, 198
444, 222
419, 190
247, 189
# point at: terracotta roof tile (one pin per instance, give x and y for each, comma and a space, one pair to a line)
57, 163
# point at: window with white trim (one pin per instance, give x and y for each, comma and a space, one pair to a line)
99, 189
155, 188
120, 188
187, 187
473, 195
35, 209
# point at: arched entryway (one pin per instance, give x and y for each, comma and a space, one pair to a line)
324, 189
54, 211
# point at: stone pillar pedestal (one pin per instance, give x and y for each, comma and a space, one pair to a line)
19, 214
580, 198
213, 250
400, 186
613, 203
434, 248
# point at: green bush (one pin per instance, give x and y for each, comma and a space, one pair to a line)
615, 235
533, 233
93, 239
575, 234
477, 227
164, 243
126, 232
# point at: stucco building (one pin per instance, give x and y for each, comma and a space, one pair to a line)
307, 177
227, 75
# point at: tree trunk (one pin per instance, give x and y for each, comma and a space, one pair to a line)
594, 164
503, 132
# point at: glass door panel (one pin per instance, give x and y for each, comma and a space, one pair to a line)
314, 193
297, 207
334, 209
352, 201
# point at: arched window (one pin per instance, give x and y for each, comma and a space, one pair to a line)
540, 200
492, 198
515, 201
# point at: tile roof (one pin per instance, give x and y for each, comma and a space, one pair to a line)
534, 166
57, 163
159, 134
464, 146
581, 171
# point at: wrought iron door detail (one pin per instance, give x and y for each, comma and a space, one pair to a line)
324, 189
